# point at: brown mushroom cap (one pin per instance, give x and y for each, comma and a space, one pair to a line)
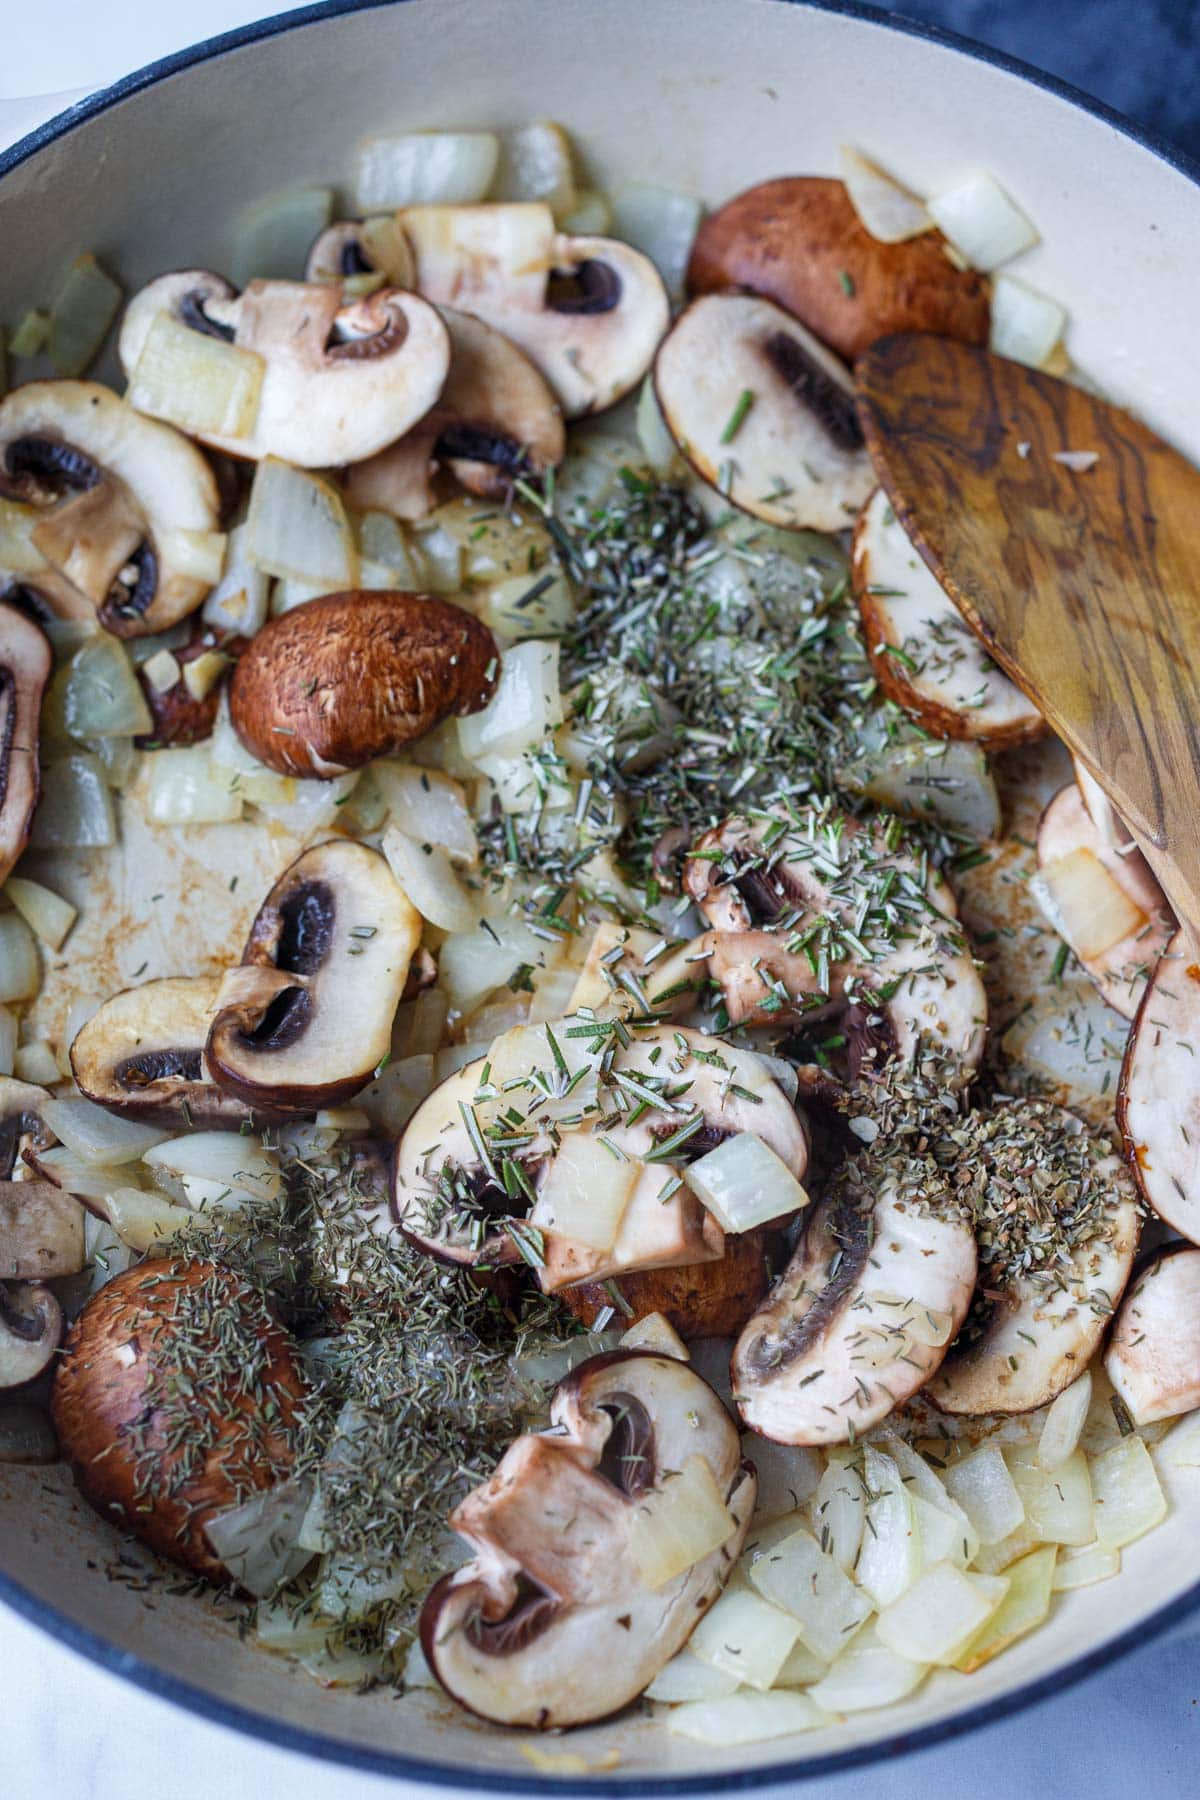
31, 1328
153, 1458
337, 682
141, 1054
701, 1300
798, 241
25, 664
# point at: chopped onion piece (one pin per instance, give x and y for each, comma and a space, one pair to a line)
200, 554
982, 223
45, 912
656, 1333
162, 671
799, 1577
890, 1558
298, 527
100, 694
1058, 1502
29, 334
526, 606
1026, 325
585, 1192
947, 781
472, 964
536, 164
26, 1435
1178, 1449
745, 1718
867, 1674
239, 601
429, 807
661, 450
397, 1091
1022, 1609
1085, 904
662, 223
36, 1063
591, 215
75, 811
746, 1636
304, 807
257, 1540
526, 704
292, 1630
838, 1510
425, 873
1080, 1568
787, 1473
685, 1677
144, 1221
1064, 1422
84, 308
890, 212
216, 1168
1126, 1493
271, 238
8, 1041
417, 1672
984, 1489
185, 788
19, 555
201, 384
71, 1172
940, 1614
97, 1136
20, 969
201, 675
546, 1367
744, 1184
420, 1024
382, 540
678, 1523
425, 168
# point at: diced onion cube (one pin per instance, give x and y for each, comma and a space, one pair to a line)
425, 873
743, 1183
526, 704
183, 787
890, 1558
1057, 1502
216, 1168
238, 603
397, 1091
492, 954
745, 1718
982, 222
200, 554
984, 1489
585, 1191
20, 970
429, 807
678, 1523
8, 1041
1025, 325
257, 1540
939, 1615
101, 694
1025, 1605
161, 671
838, 1509
886, 209
536, 164
1080, 1568
98, 1136
45, 912
36, 1063
660, 449
660, 222
1085, 904
685, 1677
746, 1636
865, 1675
144, 1220
84, 308
425, 168
1065, 1419
201, 675
298, 527
199, 383
75, 811
1126, 1493
797, 1576
272, 237
591, 215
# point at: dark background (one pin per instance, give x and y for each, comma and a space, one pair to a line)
1141, 56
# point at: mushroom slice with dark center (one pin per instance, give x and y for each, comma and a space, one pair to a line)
41, 1232
816, 916
860, 1318
142, 1054
588, 311
1153, 1355
764, 413
345, 678
798, 241
352, 248
927, 658
25, 664
567, 1611
23, 1130
307, 1017
497, 420
121, 495
1158, 1097
1057, 1224
569, 1150
338, 381
1102, 898
176, 1398
31, 1328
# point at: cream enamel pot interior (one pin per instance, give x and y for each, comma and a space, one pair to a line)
708, 95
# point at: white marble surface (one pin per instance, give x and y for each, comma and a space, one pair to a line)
67, 1726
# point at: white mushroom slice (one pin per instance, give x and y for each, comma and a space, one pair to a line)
339, 381
31, 1328
41, 1232
560, 1619
764, 413
814, 915
497, 420
927, 658
859, 1319
1103, 814
1057, 1224
473, 1172
25, 664
121, 494
1103, 899
588, 311
1153, 1356
307, 1018
1158, 1098
142, 1054
23, 1129
355, 251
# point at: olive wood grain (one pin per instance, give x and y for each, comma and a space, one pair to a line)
1084, 586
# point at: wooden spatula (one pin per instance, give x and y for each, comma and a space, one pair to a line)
1083, 583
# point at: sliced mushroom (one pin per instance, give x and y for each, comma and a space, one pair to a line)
25, 664
1153, 1355
339, 381
345, 678
925, 655
352, 249
554, 1622
1102, 898
307, 1018
764, 413
1158, 1097
31, 1328
462, 1200
497, 421
799, 241
176, 1398
1058, 1227
878, 1286
117, 490
588, 311
41, 1232
795, 900
23, 1130
703, 1300
142, 1054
